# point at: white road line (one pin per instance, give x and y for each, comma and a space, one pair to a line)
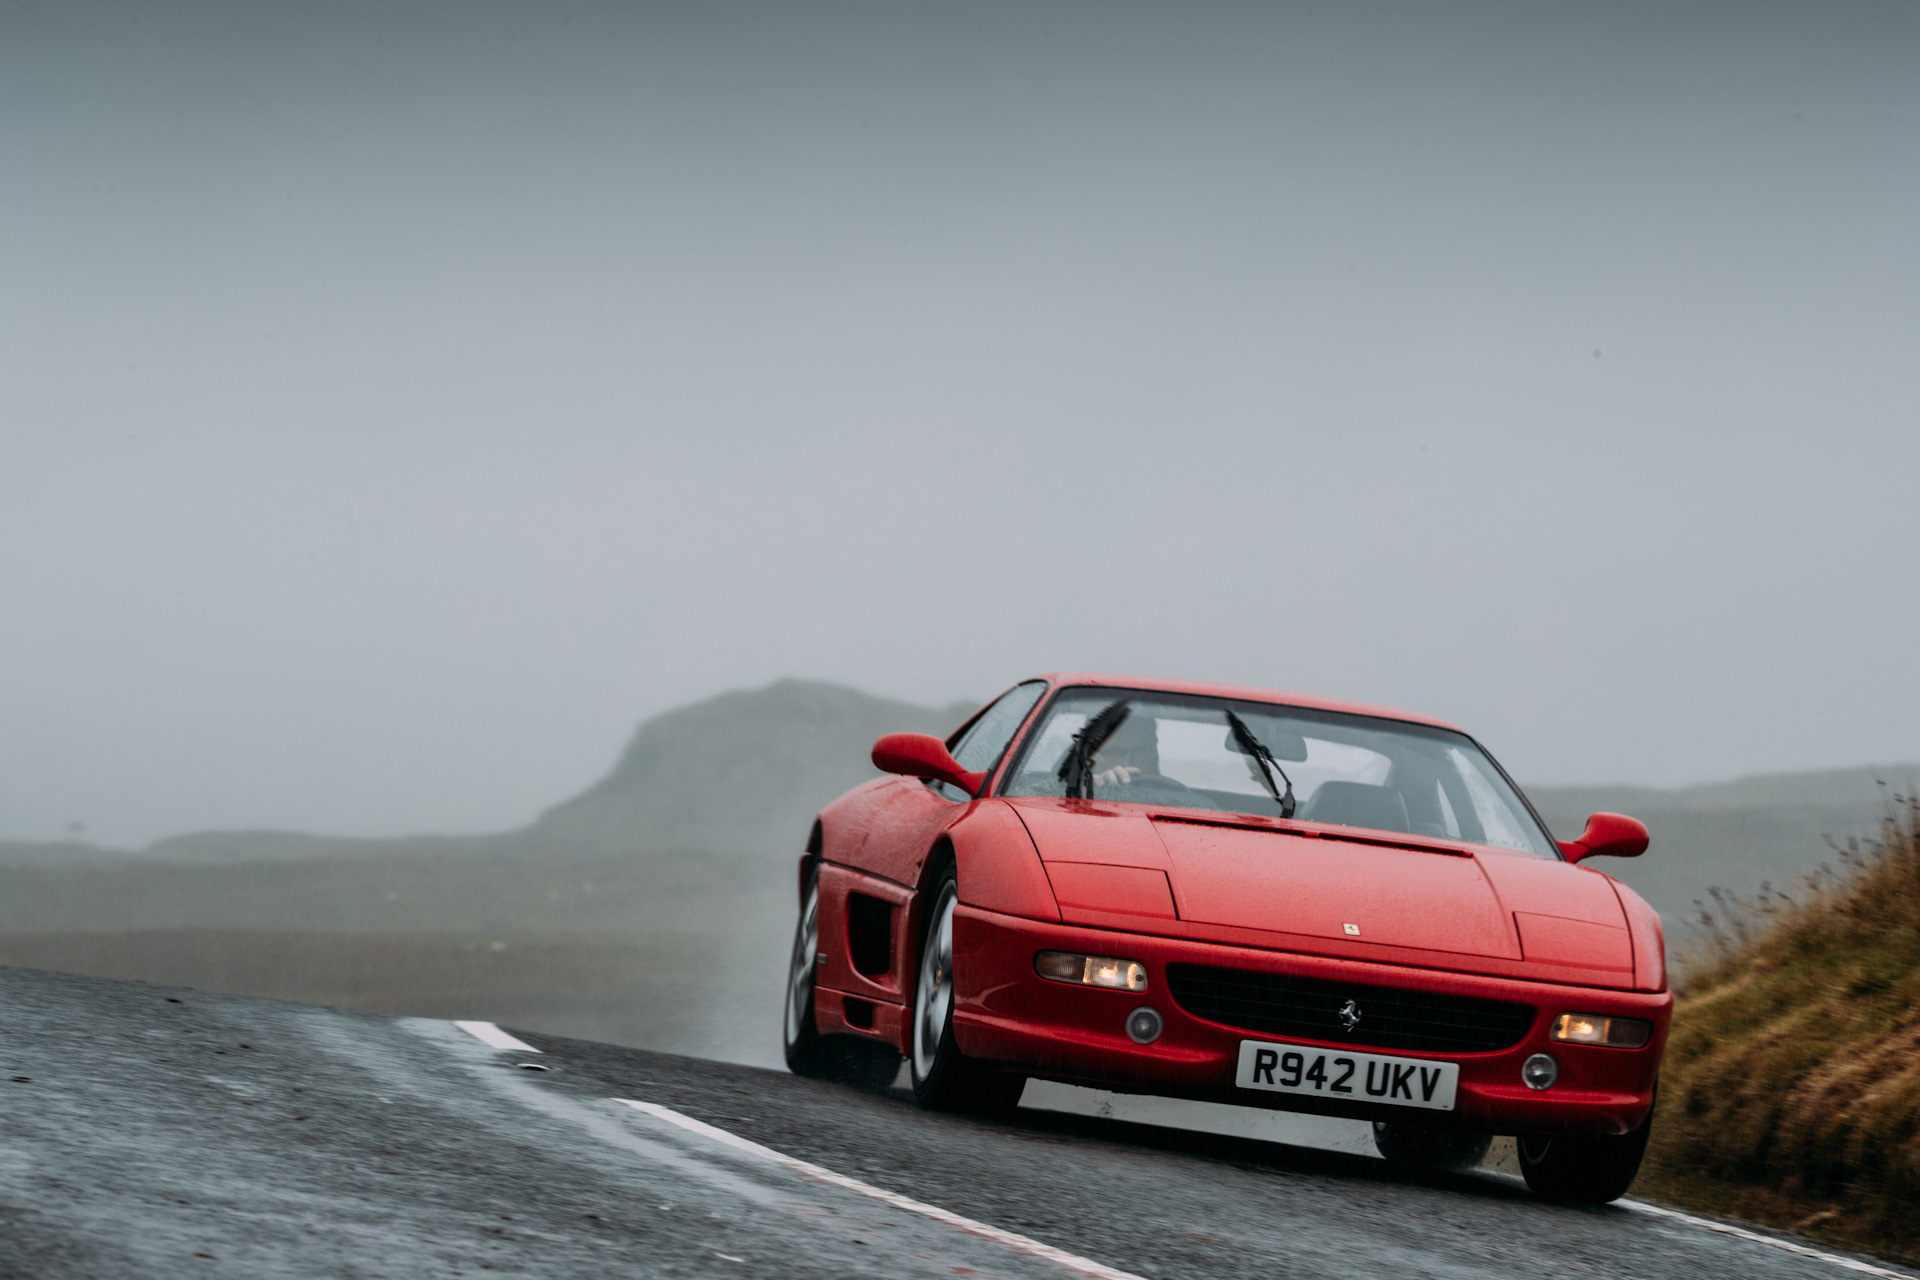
488, 1034
1851, 1264
1018, 1243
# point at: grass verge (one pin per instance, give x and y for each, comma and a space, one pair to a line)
1791, 1091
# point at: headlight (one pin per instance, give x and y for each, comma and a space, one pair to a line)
1593, 1028
1540, 1071
1091, 971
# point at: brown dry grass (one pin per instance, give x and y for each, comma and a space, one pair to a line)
1791, 1092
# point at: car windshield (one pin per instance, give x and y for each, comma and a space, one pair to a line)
1181, 751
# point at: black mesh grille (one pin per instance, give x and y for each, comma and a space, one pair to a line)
1309, 1008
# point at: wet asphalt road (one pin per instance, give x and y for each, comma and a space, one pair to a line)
155, 1132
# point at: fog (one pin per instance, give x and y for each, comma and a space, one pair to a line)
403, 401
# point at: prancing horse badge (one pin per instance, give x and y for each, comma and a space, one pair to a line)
1350, 1015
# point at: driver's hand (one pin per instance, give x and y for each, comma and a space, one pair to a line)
1118, 776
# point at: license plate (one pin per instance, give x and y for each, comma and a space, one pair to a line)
1338, 1073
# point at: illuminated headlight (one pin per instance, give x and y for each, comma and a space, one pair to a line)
1592, 1028
1091, 971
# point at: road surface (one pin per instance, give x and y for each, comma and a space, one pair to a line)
157, 1132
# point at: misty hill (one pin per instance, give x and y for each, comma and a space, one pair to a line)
741, 772
653, 909
741, 775
57, 853
1734, 835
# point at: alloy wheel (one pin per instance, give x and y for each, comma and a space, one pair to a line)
806, 943
933, 994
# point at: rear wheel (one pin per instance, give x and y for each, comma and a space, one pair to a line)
849, 1060
1427, 1146
1583, 1170
944, 1079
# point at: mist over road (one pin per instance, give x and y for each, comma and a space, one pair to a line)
170, 1132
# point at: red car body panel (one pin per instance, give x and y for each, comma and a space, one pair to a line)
1007, 1013
1163, 886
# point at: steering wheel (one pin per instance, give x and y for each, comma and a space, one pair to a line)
1156, 788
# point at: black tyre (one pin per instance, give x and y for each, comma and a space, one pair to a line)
849, 1060
1583, 1170
1414, 1145
944, 1079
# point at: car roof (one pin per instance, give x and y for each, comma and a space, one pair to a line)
1245, 693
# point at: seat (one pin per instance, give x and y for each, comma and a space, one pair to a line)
1357, 804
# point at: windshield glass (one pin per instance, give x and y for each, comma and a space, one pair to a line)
1181, 751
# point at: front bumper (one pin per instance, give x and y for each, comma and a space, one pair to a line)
1007, 1014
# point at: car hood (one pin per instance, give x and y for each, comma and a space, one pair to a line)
1330, 890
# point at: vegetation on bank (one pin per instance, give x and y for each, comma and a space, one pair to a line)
1791, 1091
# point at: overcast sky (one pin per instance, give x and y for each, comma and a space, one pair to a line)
399, 403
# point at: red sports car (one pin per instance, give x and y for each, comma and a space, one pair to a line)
1201, 891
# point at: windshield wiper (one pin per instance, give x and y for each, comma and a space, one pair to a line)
1092, 736
1264, 758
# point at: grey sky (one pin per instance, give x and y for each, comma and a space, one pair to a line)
402, 402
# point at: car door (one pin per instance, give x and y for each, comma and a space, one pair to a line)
879, 836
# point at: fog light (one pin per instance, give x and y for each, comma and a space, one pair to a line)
1594, 1028
1144, 1025
1092, 971
1540, 1071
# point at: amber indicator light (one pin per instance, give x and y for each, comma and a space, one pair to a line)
1594, 1028
1091, 971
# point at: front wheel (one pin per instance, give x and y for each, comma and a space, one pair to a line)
944, 1079
849, 1060
1583, 1170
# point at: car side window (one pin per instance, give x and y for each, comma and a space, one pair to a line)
982, 745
